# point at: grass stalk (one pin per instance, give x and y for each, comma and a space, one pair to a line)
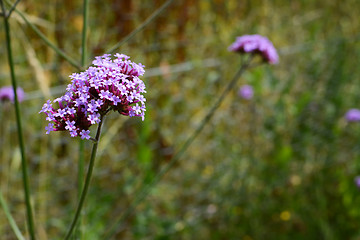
24, 167
87, 182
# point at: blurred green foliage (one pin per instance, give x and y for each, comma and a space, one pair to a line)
280, 166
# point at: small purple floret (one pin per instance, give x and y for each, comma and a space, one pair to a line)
353, 115
49, 128
85, 134
256, 44
109, 85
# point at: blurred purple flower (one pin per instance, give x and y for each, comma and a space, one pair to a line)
7, 93
357, 181
353, 115
108, 85
246, 92
256, 44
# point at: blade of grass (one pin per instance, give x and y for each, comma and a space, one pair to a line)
11, 220
24, 167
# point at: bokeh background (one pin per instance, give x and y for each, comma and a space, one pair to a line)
279, 166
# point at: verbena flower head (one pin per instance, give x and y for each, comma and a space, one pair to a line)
111, 84
7, 93
246, 92
256, 44
353, 115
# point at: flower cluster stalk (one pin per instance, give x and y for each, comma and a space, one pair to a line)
87, 181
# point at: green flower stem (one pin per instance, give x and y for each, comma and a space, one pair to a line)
87, 181
83, 57
144, 191
81, 164
10, 218
47, 41
141, 26
24, 167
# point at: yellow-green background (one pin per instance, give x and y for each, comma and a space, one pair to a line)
280, 166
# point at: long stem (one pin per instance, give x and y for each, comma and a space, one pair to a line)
144, 191
83, 57
87, 181
10, 218
24, 167
81, 163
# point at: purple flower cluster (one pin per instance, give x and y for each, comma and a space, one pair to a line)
7, 93
256, 44
353, 115
108, 85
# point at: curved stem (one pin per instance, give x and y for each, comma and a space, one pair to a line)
24, 167
87, 181
144, 191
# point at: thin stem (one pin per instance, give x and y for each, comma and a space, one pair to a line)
47, 41
24, 167
83, 57
87, 181
81, 163
144, 191
141, 26
10, 218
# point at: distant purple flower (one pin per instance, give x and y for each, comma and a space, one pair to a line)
357, 181
353, 115
256, 44
246, 92
109, 85
7, 93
